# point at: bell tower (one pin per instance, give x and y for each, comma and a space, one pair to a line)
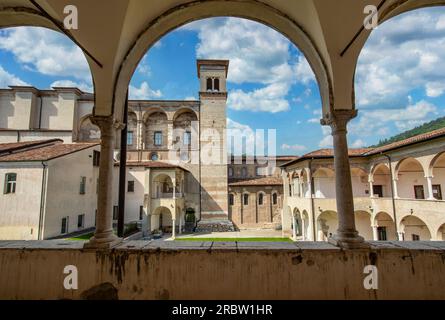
212, 75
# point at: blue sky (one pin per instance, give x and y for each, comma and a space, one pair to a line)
400, 80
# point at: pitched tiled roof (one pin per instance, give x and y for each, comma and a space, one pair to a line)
15, 146
46, 151
266, 181
330, 153
419, 138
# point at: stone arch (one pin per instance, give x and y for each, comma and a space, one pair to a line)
412, 227
440, 235
88, 132
324, 183
410, 174
132, 133
363, 224
360, 182
163, 219
183, 123
261, 198
155, 120
327, 225
386, 228
381, 180
163, 185
198, 10
299, 223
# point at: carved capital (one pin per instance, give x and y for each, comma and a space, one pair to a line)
338, 120
107, 124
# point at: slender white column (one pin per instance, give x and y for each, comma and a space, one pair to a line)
303, 227
347, 235
400, 235
396, 191
174, 189
104, 236
371, 188
294, 229
375, 233
430, 188
174, 229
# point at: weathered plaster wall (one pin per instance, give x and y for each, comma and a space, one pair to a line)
171, 270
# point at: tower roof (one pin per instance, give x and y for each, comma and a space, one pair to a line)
209, 62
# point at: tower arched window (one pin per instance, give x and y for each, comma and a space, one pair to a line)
209, 84
216, 84
275, 199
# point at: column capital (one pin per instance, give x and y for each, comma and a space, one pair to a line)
338, 119
106, 123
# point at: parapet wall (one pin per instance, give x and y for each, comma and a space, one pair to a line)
206, 270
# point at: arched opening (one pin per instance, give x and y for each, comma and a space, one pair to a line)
327, 225
185, 133
363, 224
324, 183
360, 184
305, 226
305, 185
156, 131
414, 229
381, 181
132, 133
386, 229
411, 183
297, 224
162, 220
437, 172
163, 187
441, 233
88, 132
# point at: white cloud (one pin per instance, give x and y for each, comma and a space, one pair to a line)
326, 142
68, 83
314, 120
144, 92
257, 54
267, 99
7, 79
376, 122
241, 138
191, 98
404, 54
45, 51
359, 143
295, 147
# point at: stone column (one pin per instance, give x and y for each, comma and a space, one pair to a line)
375, 233
174, 229
104, 236
347, 235
394, 186
294, 229
371, 188
170, 137
430, 188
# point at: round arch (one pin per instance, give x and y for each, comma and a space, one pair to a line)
185, 110
386, 228
198, 10
324, 183
363, 224
411, 182
440, 236
87, 131
327, 225
414, 228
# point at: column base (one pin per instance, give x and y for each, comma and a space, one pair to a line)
348, 240
103, 242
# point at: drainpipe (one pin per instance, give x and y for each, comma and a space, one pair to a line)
392, 192
200, 185
123, 174
314, 229
42, 200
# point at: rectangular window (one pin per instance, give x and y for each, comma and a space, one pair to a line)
83, 185
419, 192
10, 183
141, 213
65, 223
382, 235
130, 186
80, 221
437, 192
115, 213
96, 158
187, 138
130, 138
231, 200
158, 138
246, 199
378, 191
416, 237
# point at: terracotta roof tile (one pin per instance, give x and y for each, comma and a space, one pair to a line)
44, 152
14, 146
152, 164
266, 181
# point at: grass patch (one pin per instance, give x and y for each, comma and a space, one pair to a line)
236, 239
82, 237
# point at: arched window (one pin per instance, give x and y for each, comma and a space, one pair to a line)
216, 84
209, 84
275, 199
260, 199
246, 199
